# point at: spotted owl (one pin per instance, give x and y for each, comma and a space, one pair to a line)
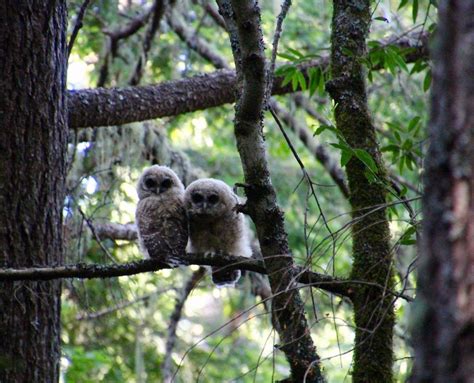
160, 216
215, 225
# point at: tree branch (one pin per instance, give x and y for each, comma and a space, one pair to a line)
77, 26
194, 42
158, 12
116, 106
90, 271
116, 231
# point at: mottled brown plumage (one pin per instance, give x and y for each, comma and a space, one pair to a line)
160, 215
215, 226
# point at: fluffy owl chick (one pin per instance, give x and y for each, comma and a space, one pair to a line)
160, 216
215, 226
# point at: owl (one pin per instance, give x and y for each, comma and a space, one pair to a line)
160, 216
215, 225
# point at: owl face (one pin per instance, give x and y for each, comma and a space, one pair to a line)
159, 181
209, 198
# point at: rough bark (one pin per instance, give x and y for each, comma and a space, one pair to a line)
243, 23
116, 106
444, 340
372, 260
32, 172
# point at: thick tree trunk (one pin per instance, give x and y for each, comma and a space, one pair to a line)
444, 338
373, 307
32, 171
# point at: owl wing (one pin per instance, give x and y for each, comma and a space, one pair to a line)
163, 232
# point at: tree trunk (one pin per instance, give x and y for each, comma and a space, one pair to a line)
32, 171
243, 23
444, 337
373, 307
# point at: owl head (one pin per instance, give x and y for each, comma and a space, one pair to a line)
159, 181
209, 198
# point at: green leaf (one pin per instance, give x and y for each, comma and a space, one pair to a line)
427, 81
407, 145
418, 66
321, 129
380, 18
370, 176
413, 123
401, 164
297, 53
366, 158
415, 10
372, 44
402, 4
284, 69
408, 237
397, 136
341, 146
314, 74
345, 157
294, 81
390, 148
287, 79
322, 84
287, 56
397, 58
301, 80
389, 62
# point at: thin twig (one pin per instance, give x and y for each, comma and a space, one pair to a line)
285, 6
77, 26
174, 320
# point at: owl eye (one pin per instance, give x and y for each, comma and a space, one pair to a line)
150, 183
213, 199
166, 183
197, 198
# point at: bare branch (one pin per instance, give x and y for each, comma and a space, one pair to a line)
285, 7
194, 42
213, 12
89, 271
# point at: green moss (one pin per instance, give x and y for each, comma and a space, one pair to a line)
372, 259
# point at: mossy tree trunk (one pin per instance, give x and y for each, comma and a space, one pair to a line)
33, 134
444, 336
372, 260
243, 23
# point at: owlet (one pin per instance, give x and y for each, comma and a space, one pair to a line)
215, 226
160, 215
